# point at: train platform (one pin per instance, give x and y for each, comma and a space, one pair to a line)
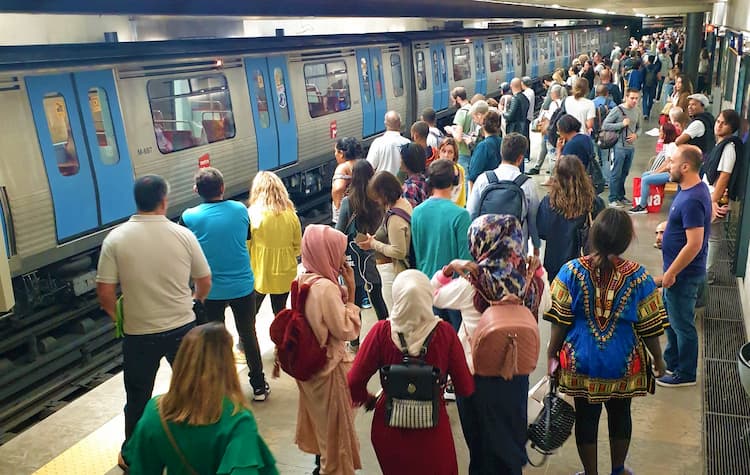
84, 437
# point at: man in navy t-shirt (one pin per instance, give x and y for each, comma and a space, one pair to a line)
222, 228
684, 249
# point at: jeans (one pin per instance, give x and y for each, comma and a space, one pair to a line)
387, 274
494, 421
714, 241
623, 158
464, 161
451, 316
648, 99
681, 352
376, 299
659, 88
140, 362
537, 165
648, 179
243, 309
278, 301
603, 161
667, 93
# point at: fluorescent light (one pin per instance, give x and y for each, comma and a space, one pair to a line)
555, 5
612, 13
642, 15
596, 10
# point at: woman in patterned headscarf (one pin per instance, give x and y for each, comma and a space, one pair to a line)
494, 418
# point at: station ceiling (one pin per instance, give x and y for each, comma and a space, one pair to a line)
632, 7
458, 9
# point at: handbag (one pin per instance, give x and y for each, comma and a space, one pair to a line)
553, 425
608, 138
594, 170
189, 468
412, 390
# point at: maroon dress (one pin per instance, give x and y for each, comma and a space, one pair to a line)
410, 451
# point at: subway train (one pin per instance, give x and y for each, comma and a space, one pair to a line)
84, 120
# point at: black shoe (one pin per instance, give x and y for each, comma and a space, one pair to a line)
638, 210
533, 171
261, 394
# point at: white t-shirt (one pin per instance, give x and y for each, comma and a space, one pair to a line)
529, 93
726, 162
553, 106
385, 154
152, 259
695, 129
582, 109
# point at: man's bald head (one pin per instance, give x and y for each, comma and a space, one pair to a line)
515, 85
393, 121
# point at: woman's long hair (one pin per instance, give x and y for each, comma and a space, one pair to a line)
368, 213
610, 235
268, 192
571, 191
203, 374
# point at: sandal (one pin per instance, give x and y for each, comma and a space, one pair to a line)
122, 464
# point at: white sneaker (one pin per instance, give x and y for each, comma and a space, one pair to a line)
450, 393
615, 204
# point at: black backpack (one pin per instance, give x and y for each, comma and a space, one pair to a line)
552, 127
411, 258
601, 114
649, 80
503, 197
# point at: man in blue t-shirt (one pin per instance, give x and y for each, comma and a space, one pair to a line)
684, 249
223, 228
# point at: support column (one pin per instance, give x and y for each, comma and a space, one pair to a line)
693, 42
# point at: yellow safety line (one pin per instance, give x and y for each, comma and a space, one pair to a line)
94, 455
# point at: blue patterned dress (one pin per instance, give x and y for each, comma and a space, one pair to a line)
603, 355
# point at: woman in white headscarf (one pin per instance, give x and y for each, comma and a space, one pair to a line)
408, 450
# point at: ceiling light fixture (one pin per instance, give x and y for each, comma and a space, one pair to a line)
596, 10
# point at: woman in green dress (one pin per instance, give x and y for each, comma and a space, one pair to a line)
202, 425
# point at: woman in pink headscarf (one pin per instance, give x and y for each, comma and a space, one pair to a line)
325, 419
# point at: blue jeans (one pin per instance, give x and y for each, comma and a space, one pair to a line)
620, 169
648, 179
667, 92
659, 88
464, 161
681, 352
648, 100
603, 161
141, 355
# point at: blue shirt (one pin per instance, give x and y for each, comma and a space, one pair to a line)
485, 157
439, 230
221, 228
691, 208
581, 146
604, 100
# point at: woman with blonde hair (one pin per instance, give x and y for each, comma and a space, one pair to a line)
274, 239
563, 213
203, 424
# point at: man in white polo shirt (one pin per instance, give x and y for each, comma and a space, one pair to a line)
385, 151
153, 260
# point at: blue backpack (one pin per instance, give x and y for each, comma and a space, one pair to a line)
503, 197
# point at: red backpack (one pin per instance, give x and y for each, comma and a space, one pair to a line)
298, 351
506, 340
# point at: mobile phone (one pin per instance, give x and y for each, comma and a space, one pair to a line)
360, 237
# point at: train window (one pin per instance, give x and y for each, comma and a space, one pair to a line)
188, 112
281, 97
421, 74
365, 79
517, 42
461, 63
443, 68
496, 57
327, 86
105, 134
435, 68
259, 87
397, 75
58, 123
377, 77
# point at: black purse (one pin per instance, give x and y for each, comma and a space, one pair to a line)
553, 425
412, 390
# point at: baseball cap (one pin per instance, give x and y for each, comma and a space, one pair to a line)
700, 98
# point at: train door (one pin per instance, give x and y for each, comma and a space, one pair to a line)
481, 69
84, 148
566, 49
273, 111
552, 52
532, 55
439, 76
370, 72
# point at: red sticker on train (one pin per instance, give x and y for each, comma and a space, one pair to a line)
204, 161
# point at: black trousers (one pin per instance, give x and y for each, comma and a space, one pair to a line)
141, 355
243, 309
376, 299
278, 301
587, 420
494, 423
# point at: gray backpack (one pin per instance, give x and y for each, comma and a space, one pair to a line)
503, 197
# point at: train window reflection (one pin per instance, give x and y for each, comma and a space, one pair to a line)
261, 101
281, 96
105, 134
188, 112
58, 123
435, 68
496, 57
461, 63
377, 77
397, 75
518, 52
421, 74
327, 86
364, 76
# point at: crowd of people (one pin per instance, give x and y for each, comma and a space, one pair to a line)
433, 233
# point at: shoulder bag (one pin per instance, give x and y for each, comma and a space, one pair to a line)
172, 441
553, 425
